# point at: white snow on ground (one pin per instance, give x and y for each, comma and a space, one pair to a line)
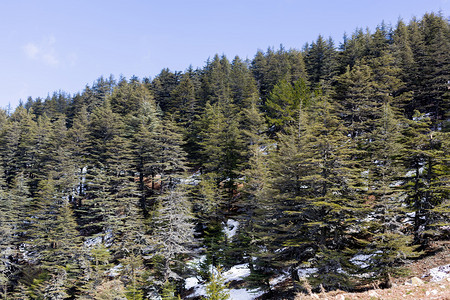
235, 294
397, 183
440, 273
277, 280
410, 173
197, 260
237, 272
107, 238
361, 260
304, 272
114, 271
231, 228
195, 263
93, 241
411, 214
191, 282
244, 294
193, 179
200, 290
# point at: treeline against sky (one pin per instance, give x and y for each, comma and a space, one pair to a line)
334, 159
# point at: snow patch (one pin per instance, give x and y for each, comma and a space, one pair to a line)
274, 281
244, 294
361, 260
411, 214
235, 294
190, 181
238, 272
193, 179
93, 241
306, 272
411, 173
197, 260
114, 271
191, 282
200, 290
440, 273
397, 183
231, 228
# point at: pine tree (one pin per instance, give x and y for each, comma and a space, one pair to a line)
271, 223
274, 66
429, 44
355, 93
159, 158
329, 193
379, 41
321, 61
402, 51
216, 81
185, 100
314, 196
127, 99
172, 230
223, 150
242, 84
285, 103
389, 245
253, 204
18, 143
53, 228
55, 289
133, 269
253, 124
425, 184
15, 207
7, 231
209, 202
163, 87
100, 91
77, 142
216, 289
436, 69
353, 49
111, 205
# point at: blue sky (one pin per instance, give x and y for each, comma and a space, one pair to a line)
67, 44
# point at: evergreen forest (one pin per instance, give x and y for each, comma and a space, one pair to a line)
331, 158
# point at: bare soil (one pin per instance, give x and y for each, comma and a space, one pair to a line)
438, 255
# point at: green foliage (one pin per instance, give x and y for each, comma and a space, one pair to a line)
274, 66
214, 240
134, 294
216, 289
320, 154
321, 61
285, 103
113, 289
172, 228
426, 185
100, 257
168, 291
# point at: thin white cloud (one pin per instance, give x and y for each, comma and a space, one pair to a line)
72, 59
44, 51
31, 50
50, 59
